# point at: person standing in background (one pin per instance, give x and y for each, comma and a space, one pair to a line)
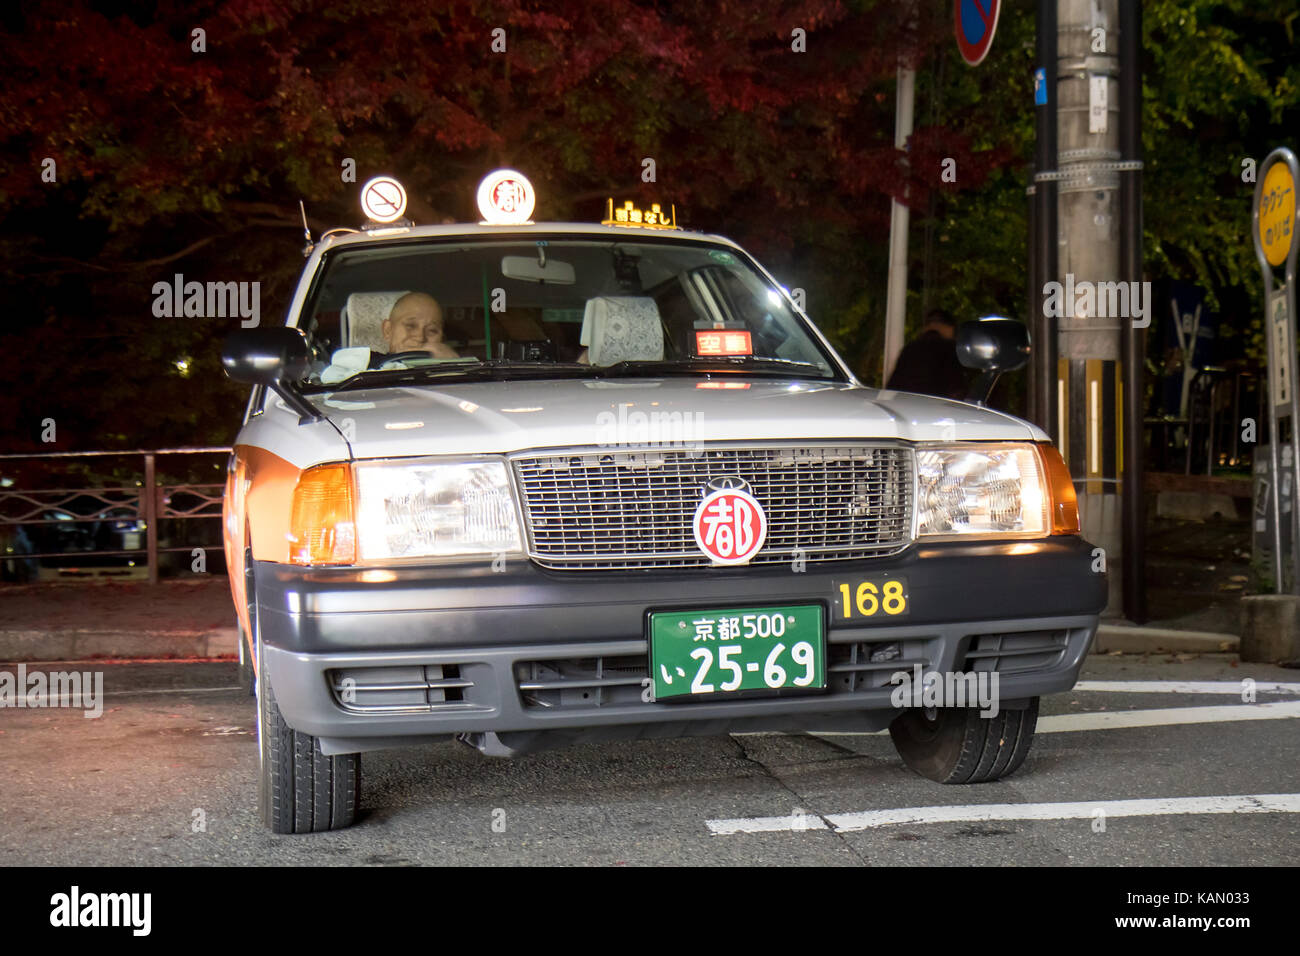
928, 364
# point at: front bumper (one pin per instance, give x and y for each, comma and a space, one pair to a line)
525, 657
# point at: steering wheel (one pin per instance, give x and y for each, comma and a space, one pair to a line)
402, 356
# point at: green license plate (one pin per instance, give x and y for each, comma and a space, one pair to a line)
724, 652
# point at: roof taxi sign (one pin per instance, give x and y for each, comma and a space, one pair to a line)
383, 199
506, 198
630, 215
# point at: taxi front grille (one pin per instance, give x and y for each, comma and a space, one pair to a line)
870, 665
418, 689
582, 682
594, 682
1012, 653
594, 509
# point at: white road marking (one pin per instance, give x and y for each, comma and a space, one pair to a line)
1159, 806
1229, 688
1165, 716
809, 821
1106, 720
979, 813
1119, 719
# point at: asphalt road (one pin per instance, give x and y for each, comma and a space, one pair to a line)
175, 748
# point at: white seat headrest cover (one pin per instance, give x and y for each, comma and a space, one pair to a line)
363, 318
622, 329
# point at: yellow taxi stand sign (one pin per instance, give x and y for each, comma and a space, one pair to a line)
1273, 231
1275, 208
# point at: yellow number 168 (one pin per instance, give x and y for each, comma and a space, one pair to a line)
868, 600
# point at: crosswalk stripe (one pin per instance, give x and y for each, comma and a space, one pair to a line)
1119, 719
981, 813
1231, 688
1166, 716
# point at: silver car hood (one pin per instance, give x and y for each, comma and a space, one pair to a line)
500, 417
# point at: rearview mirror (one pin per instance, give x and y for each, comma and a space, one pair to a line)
992, 345
531, 270
277, 358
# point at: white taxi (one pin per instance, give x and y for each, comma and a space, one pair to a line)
528, 484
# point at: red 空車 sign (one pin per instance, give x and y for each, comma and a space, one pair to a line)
724, 342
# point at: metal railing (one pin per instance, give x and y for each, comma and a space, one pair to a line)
112, 505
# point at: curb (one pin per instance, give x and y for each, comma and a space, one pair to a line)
85, 644
1148, 640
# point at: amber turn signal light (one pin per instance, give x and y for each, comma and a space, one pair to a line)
321, 526
1060, 490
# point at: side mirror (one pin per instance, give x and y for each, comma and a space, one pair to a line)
992, 345
277, 358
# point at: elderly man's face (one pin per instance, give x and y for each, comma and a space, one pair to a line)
414, 324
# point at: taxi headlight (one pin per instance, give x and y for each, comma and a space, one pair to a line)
434, 509
973, 489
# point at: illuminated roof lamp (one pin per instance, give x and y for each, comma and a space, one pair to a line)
383, 199
506, 198
629, 215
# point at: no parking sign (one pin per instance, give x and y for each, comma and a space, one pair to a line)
975, 23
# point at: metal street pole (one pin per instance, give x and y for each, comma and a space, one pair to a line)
1133, 345
1043, 374
896, 297
1091, 327
1034, 316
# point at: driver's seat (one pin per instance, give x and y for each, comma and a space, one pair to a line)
362, 318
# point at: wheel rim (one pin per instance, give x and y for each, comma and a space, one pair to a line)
924, 724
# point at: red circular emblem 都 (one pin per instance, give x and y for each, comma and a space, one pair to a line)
730, 526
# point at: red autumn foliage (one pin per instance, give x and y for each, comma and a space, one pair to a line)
769, 121
283, 92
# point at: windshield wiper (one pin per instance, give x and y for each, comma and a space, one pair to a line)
505, 369
780, 368
469, 369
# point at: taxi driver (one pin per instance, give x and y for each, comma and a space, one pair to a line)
415, 325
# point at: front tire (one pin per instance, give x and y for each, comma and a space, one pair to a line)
957, 745
301, 790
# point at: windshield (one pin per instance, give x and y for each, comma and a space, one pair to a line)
550, 306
